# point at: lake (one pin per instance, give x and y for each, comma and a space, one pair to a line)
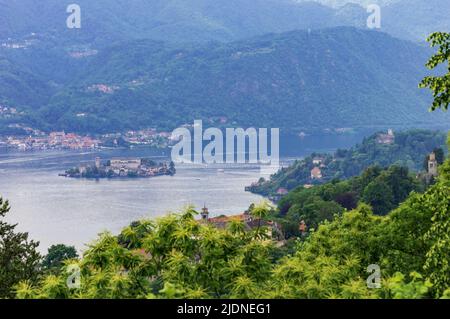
56, 210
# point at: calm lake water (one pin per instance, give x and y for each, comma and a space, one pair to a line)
55, 209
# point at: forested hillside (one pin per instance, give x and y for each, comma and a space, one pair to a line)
296, 80
408, 149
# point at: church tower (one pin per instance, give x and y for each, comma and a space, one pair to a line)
205, 213
432, 165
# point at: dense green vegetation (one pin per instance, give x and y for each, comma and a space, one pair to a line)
56, 256
382, 189
19, 259
408, 149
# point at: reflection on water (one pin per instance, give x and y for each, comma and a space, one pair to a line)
55, 209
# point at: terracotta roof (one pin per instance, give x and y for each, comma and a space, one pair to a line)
316, 172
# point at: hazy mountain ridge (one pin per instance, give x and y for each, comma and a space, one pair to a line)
168, 20
104, 22
416, 19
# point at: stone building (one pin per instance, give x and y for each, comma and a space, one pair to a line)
432, 165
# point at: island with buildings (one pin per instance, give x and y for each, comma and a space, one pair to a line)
123, 168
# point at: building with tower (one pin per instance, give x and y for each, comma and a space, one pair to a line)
205, 213
432, 165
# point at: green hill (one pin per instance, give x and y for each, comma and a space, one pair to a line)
409, 149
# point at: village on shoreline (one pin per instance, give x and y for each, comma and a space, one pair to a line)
37, 140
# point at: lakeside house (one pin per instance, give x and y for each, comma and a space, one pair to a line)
280, 193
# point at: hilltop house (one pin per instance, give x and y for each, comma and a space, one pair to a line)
250, 223
388, 138
317, 161
316, 173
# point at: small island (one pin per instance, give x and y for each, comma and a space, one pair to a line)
123, 168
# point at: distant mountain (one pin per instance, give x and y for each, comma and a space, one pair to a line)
105, 22
416, 19
341, 77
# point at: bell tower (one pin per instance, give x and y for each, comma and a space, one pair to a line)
205, 213
432, 165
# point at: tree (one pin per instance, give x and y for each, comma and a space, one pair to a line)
400, 182
439, 85
332, 262
379, 195
438, 260
318, 211
57, 254
440, 155
173, 257
19, 260
403, 244
348, 200
260, 212
437, 264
